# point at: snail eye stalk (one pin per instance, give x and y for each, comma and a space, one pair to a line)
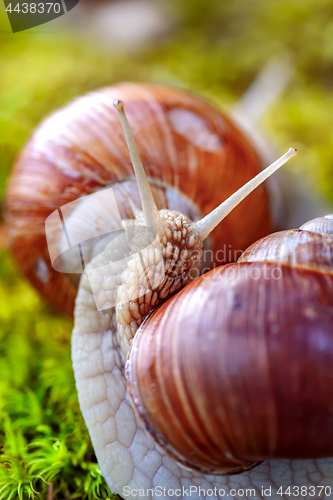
206, 225
149, 207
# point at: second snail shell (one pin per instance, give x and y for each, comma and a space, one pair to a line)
193, 154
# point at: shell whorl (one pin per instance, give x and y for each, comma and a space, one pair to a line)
322, 225
299, 247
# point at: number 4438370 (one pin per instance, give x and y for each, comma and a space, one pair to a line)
305, 491
34, 8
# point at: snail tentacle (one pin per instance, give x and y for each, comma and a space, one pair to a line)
206, 225
148, 204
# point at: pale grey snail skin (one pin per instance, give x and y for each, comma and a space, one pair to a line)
129, 459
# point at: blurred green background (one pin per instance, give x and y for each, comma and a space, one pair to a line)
213, 47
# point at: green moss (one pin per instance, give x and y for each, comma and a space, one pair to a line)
43, 437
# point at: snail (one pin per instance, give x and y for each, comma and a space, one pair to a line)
131, 459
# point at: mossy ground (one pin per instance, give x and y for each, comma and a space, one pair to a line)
216, 48
43, 438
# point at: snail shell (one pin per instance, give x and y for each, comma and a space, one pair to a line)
193, 154
237, 367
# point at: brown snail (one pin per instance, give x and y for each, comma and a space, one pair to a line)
128, 456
